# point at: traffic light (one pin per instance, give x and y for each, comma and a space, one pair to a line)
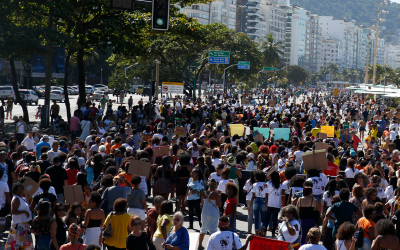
160, 15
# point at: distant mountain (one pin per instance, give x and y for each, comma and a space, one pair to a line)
362, 11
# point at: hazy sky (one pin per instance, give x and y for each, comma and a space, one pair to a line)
397, 1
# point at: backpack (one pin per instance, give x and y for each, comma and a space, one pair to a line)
43, 199
265, 162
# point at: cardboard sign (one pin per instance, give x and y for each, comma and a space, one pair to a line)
236, 129
271, 103
30, 186
161, 151
73, 193
259, 137
255, 133
261, 243
330, 130
181, 131
321, 145
323, 135
139, 168
315, 160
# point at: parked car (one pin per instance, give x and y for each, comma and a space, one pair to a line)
29, 96
57, 88
6, 91
72, 91
97, 95
89, 90
39, 91
100, 87
57, 95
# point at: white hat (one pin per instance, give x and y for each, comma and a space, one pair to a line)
251, 155
34, 129
195, 141
45, 137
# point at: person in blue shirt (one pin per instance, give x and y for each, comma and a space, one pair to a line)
44, 142
365, 115
195, 185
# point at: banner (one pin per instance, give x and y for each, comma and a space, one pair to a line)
281, 133
261, 243
236, 129
330, 130
172, 87
263, 131
58, 64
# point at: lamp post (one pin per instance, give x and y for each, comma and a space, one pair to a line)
376, 37
225, 87
158, 62
195, 77
101, 77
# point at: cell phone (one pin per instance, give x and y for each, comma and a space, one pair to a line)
356, 235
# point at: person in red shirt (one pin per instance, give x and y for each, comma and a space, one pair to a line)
333, 169
231, 204
355, 139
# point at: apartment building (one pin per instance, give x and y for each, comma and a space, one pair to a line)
330, 51
313, 57
295, 39
250, 19
275, 16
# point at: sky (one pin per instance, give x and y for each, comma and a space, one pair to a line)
396, 1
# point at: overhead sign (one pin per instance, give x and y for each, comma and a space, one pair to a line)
270, 68
58, 64
218, 57
243, 65
172, 87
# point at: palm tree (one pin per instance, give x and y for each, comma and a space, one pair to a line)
333, 69
279, 77
324, 71
272, 51
313, 78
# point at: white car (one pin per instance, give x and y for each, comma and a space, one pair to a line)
29, 96
72, 91
97, 95
57, 95
6, 92
100, 87
89, 90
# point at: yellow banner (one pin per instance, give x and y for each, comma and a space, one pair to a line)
335, 92
330, 130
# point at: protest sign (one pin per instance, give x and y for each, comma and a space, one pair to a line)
255, 133
321, 145
161, 151
73, 193
237, 129
323, 135
261, 243
281, 133
315, 160
259, 137
271, 103
263, 131
30, 186
330, 130
181, 131
139, 168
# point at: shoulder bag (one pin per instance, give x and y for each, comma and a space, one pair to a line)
360, 239
107, 233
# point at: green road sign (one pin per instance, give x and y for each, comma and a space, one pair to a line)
218, 53
270, 68
243, 65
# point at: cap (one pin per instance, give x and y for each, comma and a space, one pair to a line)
34, 129
114, 129
45, 137
251, 155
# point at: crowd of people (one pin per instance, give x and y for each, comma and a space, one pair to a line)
209, 176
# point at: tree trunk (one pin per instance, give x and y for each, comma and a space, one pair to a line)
66, 78
17, 97
81, 77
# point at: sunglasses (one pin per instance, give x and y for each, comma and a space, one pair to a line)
137, 224
176, 219
61, 209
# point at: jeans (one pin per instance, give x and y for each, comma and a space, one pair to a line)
44, 242
60, 198
274, 211
259, 208
250, 218
367, 244
328, 240
194, 204
306, 224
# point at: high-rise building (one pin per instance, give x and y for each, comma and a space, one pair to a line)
295, 40
313, 57
250, 19
275, 19
330, 51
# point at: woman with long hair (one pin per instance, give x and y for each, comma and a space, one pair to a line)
40, 226
290, 228
344, 237
327, 197
307, 205
163, 177
183, 171
274, 198
94, 220
357, 199
58, 228
74, 214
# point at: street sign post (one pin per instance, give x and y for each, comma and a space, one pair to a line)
218, 57
243, 65
270, 68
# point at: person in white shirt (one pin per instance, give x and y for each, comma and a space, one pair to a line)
257, 202
393, 134
274, 198
217, 175
289, 229
314, 234
29, 142
394, 125
225, 239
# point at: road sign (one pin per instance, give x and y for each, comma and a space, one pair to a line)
243, 65
270, 68
172, 87
218, 57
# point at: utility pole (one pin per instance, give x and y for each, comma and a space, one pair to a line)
215, 76
151, 86
366, 65
157, 78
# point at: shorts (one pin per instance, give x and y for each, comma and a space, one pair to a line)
137, 211
318, 197
362, 129
9, 109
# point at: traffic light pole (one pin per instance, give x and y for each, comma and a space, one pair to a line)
151, 90
225, 87
195, 78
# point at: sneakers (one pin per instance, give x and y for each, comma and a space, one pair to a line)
173, 199
190, 227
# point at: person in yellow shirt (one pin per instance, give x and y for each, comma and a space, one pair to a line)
373, 132
120, 221
164, 224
